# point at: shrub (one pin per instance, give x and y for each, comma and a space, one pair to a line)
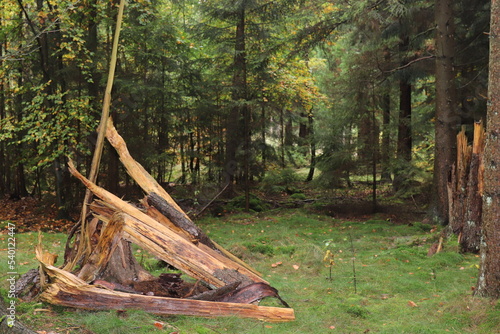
254, 202
298, 196
279, 180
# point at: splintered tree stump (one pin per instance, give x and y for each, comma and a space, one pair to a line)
143, 230
109, 239
465, 190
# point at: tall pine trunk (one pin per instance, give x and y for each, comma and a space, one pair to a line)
446, 118
312, 143
238, 116
385, 106
404, 143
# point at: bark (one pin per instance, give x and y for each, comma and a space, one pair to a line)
386, 138
179, 244
447, 118
404, 137
236, 122
488, 283
143, 230
312, 143
101, 254
179, 219
150, 185
68, 290
465, 190
471, 234
456, 186
404, 143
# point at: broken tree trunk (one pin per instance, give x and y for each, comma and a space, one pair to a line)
145, 231
465, 190
150, 186
179, 219
69, 290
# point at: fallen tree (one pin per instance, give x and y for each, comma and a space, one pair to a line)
109, 277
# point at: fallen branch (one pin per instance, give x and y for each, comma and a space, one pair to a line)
71, 291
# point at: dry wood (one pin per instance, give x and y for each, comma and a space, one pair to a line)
68, 290
165, 231
179, 219
157, 215
465, 190
166, 245
135, 169
108, 241
104, 213
149, 185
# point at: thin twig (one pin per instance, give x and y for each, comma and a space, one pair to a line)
408, 64
212, 200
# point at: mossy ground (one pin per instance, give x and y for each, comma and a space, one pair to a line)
382, 280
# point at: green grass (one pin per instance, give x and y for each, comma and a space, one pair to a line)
399, 289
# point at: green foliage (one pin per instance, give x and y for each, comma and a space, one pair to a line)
255, 203
280, 180
357, 311
298, 196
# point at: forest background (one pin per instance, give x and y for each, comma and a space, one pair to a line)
240, 95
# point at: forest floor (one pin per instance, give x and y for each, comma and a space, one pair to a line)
31, 214
381, 279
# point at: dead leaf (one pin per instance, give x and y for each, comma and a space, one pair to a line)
412, 304
159, 324
296, 267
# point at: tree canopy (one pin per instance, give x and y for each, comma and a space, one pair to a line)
210, 93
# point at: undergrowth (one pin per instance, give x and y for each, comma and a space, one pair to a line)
382, 280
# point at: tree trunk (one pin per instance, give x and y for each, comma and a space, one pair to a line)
386, 138
404, 144
236, 127
488, 283
364, 128
465, 189
312, 142
447, 119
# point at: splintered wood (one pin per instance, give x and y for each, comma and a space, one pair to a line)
465, 190
158, 225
